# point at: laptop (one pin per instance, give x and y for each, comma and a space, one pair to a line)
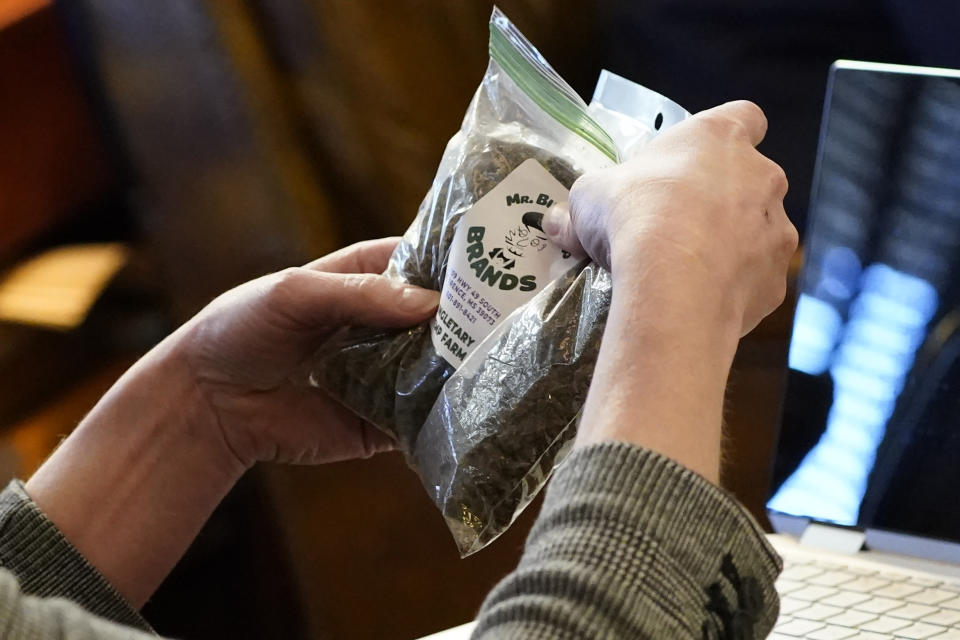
865, 494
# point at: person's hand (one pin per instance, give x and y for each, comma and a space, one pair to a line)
142, 472
697, 215
244, 349
695, 236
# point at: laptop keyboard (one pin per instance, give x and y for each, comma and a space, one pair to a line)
824, 600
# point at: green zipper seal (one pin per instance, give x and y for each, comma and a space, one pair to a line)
544, 86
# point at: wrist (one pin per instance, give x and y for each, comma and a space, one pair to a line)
677, 295
159, 400
661, 374
145, 468
187, 407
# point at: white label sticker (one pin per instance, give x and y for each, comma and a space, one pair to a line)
499, 259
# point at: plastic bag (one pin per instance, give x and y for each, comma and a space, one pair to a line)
632, 114
483, 399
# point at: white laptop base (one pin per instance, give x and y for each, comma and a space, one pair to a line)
865, 596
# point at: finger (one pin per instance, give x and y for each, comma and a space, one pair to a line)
789, 236
750, 117
316, 429
369, 256
323, 299
559, 229
346, 436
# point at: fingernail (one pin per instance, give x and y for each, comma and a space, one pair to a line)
415, 299
553, 221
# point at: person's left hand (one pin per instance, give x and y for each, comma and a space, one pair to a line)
244, 350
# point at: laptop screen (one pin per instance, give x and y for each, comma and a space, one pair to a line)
870, 434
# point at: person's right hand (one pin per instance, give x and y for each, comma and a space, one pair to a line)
697, 217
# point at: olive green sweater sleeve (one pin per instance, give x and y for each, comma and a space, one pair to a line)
630, 544
39, 569
24, 617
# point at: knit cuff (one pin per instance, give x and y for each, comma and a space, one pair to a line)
640, 498
47, 565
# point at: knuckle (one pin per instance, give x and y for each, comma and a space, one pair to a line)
736, 128
591, 194
579, 193
284, 284
359, 284
585, 189
778, 179
749, 109
725, 126
716, 124
791, 239
750, 121
751, 112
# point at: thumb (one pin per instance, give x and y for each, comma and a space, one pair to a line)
559, 229
321, 299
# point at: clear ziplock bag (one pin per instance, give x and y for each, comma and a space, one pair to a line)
631, 114
484, 398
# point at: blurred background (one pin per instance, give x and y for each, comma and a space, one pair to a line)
154, 154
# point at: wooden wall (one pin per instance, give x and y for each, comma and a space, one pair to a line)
52, 158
